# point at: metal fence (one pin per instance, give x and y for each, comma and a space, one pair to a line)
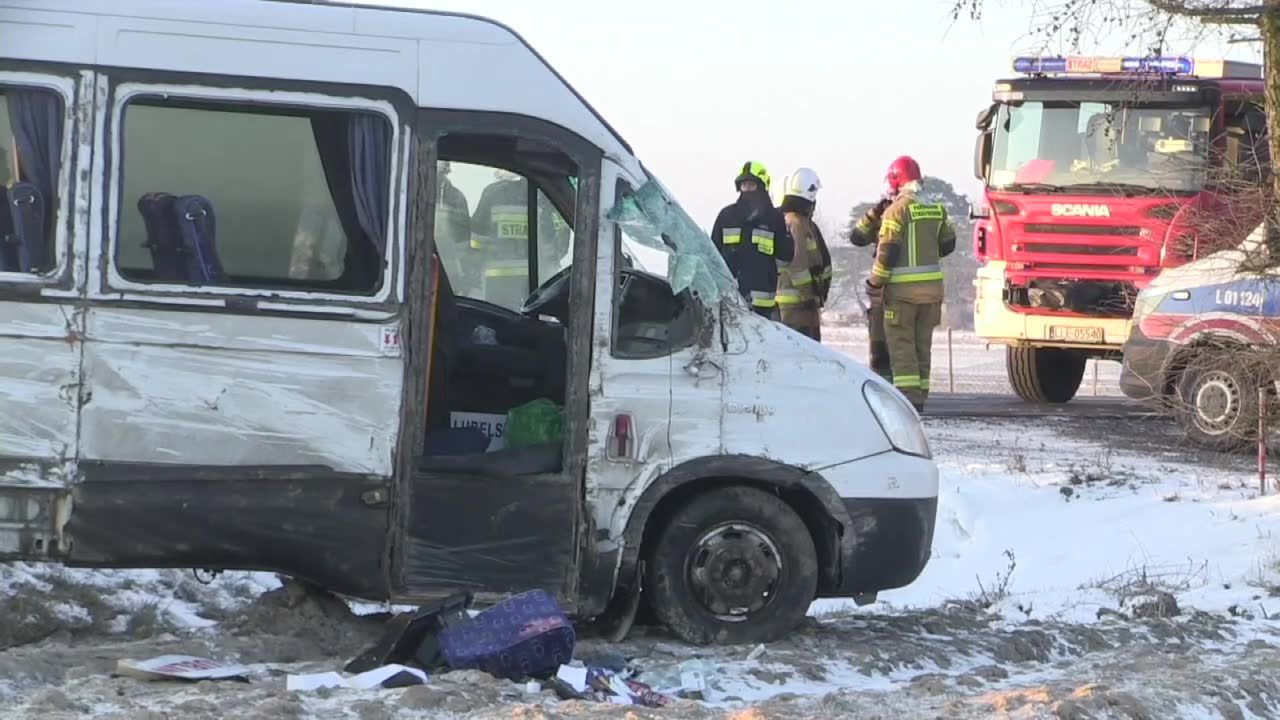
965, 363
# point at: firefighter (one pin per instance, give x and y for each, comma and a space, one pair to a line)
797, 295
453, 234
752, 236
864, 234
500, 232
907, 277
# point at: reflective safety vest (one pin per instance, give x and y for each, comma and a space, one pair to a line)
754, 243
500, 233
796, 280
913, 238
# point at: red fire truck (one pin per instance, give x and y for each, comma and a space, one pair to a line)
1098, 173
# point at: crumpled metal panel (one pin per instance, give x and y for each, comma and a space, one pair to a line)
650, 217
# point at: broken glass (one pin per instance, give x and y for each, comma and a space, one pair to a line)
650, 217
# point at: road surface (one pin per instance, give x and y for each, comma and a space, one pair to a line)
964, 405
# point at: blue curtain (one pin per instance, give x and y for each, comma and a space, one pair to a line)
370, 142
36, 116
355, 150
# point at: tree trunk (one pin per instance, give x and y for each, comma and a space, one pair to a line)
1270, 27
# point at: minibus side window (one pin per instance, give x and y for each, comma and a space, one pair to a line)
482, 233
31, 128
238, 195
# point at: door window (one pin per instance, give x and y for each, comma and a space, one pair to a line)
649, 320
487, 221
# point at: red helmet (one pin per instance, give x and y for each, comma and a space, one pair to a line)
902, 171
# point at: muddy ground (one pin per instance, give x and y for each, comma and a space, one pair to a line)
958, 662
1144, 658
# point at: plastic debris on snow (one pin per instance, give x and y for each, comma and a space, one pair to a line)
181, 667
388, 676
580, 682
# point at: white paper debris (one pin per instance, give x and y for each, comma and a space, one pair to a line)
314, 681
574, 677
375, 678
693, 681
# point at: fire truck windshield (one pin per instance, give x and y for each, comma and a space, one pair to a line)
1099, 147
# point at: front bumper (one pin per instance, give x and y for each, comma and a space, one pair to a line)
1144, 370
893, 543
994, 321
891, 504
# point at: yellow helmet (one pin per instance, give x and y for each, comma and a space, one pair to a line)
752, 170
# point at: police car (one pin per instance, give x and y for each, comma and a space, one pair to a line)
1203, 341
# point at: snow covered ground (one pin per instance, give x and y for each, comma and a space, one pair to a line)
1064, 549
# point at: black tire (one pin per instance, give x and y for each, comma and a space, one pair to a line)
1218, 399
1045, 375
736, 540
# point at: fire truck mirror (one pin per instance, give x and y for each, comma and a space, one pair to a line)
982, 155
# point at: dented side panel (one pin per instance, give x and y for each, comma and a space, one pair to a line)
39, 376
195, 389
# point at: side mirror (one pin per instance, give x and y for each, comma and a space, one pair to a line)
978, 212
981, 155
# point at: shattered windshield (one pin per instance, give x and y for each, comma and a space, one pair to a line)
1079, 145
650, 217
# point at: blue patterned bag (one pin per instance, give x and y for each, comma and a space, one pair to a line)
526, 635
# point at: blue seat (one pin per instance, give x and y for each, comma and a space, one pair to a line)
162, 236
29, 215
182, 238
197, 226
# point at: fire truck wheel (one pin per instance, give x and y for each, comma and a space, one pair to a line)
1045, 375
733, 566
1218, 399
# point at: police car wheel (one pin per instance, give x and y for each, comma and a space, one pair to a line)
1218, 400
733, 566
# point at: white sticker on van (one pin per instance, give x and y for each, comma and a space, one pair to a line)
391, 341
493, 424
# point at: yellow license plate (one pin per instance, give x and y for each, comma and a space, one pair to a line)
1086, 335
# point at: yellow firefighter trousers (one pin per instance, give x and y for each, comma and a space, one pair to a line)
909, 331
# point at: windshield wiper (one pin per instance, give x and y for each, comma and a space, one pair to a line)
1125, 189
1033, 187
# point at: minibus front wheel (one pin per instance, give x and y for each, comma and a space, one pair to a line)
733, 566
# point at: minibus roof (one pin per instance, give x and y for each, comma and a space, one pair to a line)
441, 60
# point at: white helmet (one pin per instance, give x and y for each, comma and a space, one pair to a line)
802, 183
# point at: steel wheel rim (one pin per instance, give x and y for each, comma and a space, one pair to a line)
1216, 403
734, 570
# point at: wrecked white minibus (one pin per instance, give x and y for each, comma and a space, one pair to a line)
265, 262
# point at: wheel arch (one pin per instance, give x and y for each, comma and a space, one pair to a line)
1220, 341
807, 493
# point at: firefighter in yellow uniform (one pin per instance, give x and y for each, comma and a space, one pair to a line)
800, 281
500, 233
907, 278
864, 233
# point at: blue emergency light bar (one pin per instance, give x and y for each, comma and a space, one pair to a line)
1104, 65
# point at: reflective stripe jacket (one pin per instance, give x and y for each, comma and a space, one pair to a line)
798, 280
500, 230
913, 238
822, 282
754, 242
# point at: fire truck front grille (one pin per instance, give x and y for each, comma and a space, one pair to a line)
1104, 230
1101, 250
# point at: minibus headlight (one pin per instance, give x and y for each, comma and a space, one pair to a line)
897, 418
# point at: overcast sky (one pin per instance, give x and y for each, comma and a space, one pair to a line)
697, 87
